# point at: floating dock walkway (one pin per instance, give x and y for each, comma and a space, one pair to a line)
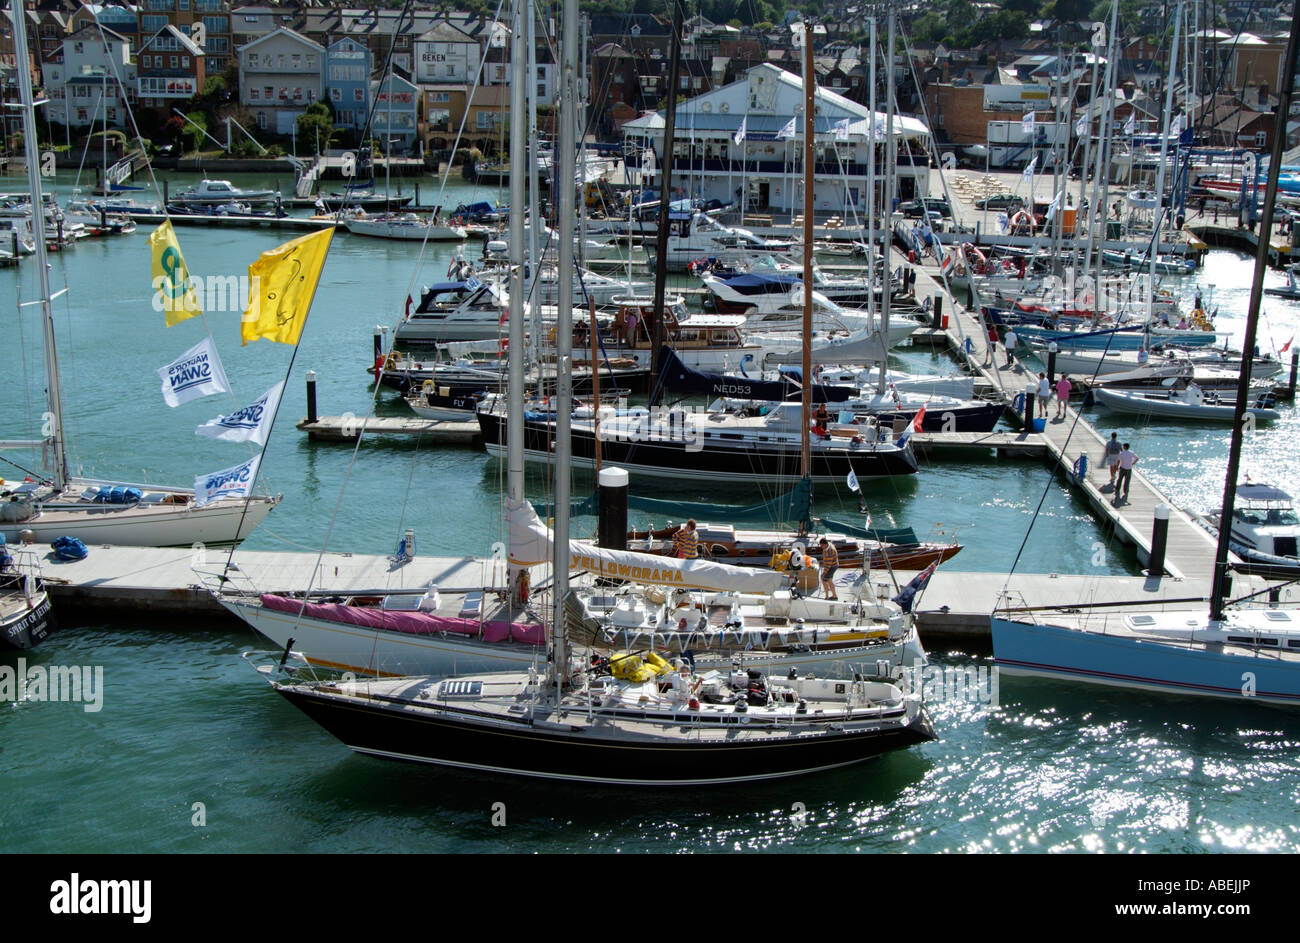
953, 609
1074, 446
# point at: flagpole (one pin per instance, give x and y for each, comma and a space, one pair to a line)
270, 429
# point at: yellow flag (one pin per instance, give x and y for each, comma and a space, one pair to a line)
282, 283
173, 289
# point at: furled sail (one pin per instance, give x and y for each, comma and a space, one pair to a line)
530, 542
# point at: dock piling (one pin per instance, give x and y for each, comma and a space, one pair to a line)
311, 395
1290, 384
937, 323
612, 530
1159, 540
1030, 392
1051, 362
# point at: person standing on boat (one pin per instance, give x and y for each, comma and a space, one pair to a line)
1143, 356
1113, 448
1127, 459
686, 542
830, 563
1011, 341
1063, 387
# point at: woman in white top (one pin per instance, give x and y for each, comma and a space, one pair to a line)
1044, 394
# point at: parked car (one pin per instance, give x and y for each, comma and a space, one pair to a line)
918, 209
1000, 201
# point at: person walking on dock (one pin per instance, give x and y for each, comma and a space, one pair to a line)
1011, 342
993, 343
830, 563
1044, 394
1113, 448
1063, 387
1127, 459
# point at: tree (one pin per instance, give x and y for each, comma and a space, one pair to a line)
1030, 8
316, 127
1071, 9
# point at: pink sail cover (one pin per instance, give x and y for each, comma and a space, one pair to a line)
413, 623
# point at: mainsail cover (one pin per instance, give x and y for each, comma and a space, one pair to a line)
677, 376
793, 506
529, 544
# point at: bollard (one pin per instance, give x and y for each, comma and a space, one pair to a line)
1051, 362
1159, 540
1030, 393
379, 341
612, 531
937, 323
417, 193
311, 395
166, 197
1290, 385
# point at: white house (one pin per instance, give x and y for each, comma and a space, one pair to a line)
767, 164
445, 54
279, 76
87, 87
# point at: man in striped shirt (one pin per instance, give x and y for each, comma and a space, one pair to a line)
686, 542
830, 563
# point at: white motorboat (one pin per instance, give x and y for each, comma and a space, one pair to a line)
1185, 401
25, 618
219, 192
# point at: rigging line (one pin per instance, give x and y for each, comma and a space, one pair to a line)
374, 105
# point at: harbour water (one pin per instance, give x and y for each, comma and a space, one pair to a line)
1023, 766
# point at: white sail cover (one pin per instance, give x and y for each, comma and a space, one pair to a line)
529, 543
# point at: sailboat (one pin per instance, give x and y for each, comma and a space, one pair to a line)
99, 511
25, 618
626, 717
1245, 654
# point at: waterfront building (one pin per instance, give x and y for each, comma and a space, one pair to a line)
396, 108
708, 163
88, 85
170, 68
279, 76
347, 83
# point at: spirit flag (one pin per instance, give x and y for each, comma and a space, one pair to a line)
1029, 170
234, 482
194, 374
740, 132
250, 424
1027, 124
853, 481
172, 284
842, 130
788, 131
282, 284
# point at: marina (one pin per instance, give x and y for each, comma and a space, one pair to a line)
459, 594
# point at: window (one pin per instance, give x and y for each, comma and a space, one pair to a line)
439, 119
252, 60
81, 114
182, 4
284, 93
173, 62
185, 62
336, 94
281, 60
252, 94
261, 118
359, 94
268, 92
311, 61
296, 60
297, 93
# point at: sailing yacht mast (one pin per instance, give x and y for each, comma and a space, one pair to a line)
1153, 252
60, 473
564, 180
809, 153
515, 395
665, 200
891, 159
1219, 588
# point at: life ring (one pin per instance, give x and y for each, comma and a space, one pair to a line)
427, 386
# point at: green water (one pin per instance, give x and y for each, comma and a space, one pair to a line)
185, 722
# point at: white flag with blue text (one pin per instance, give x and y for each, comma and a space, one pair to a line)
1081, 126
853, 481
1029, 170
788, 131
250, 424
194, 374
234, 482
1027, 123
1131, 124
740, 132
842, 130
